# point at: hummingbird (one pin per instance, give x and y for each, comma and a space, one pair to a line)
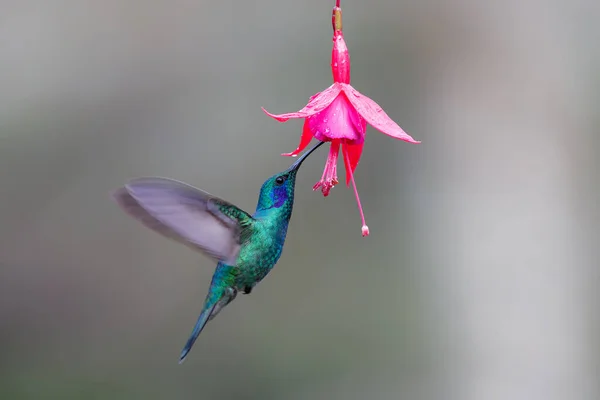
246, 247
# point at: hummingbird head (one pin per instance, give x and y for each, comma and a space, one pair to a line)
278, 189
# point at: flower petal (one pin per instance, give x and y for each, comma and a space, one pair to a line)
339, 120
316, 104
352, 155
304, 141
375, 115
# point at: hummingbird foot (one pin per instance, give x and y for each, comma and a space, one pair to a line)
247, 289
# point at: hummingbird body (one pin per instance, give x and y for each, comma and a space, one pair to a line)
246, 246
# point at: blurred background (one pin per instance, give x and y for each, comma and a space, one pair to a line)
479, 279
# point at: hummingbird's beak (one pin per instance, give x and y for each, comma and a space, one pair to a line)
301, 159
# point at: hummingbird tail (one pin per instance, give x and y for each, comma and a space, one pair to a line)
220, 293
202, 320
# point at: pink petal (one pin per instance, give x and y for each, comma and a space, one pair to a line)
316, 104
352, 155
304, 140
375, 115
339, 120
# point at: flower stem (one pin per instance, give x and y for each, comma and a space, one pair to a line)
336, 17
365, 228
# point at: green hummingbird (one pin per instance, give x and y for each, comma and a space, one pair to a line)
245, 246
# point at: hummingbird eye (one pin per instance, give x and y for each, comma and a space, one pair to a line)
279, 180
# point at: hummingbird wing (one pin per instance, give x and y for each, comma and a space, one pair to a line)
188, 215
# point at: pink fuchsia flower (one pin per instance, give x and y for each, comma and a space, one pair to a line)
339, 115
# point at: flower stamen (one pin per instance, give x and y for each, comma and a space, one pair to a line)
329, 178
365, 228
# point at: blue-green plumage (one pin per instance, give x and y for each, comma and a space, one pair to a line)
246, 246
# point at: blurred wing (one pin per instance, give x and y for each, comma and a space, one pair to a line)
188, 215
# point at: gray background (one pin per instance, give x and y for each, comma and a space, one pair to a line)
479, 280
